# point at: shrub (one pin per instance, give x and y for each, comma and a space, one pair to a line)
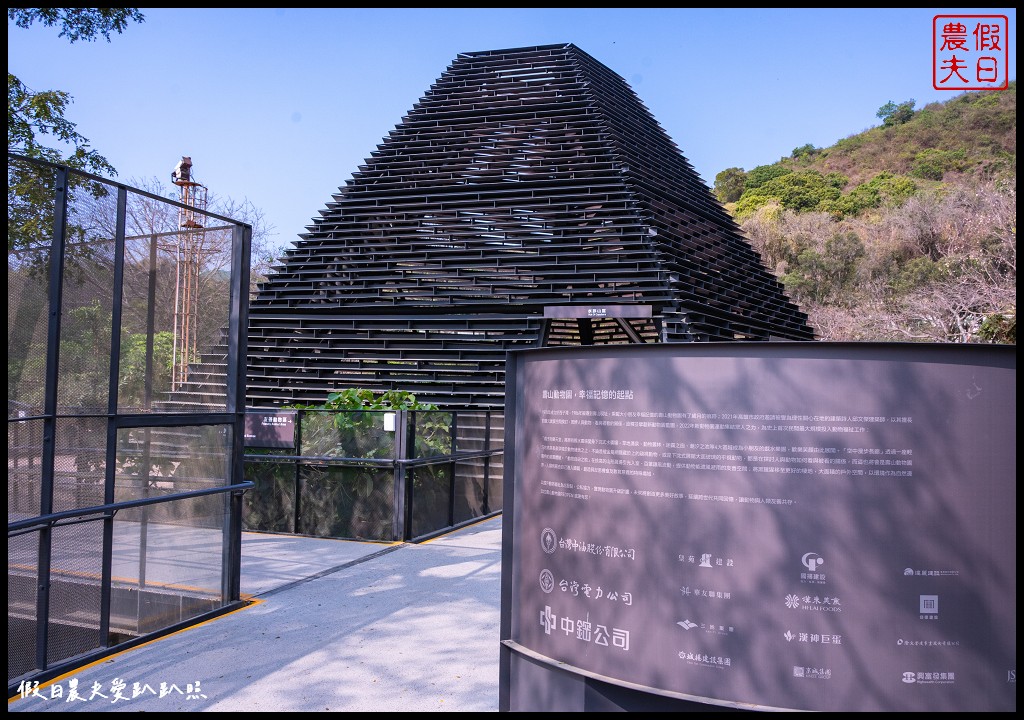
762, 174
932, 164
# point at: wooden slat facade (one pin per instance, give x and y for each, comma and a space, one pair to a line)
522, 179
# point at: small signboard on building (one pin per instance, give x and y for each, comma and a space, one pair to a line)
560, 312
270, 428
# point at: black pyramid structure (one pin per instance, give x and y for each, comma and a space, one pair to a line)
528, 199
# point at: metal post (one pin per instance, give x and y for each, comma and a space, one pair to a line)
146, 466
177, 293
508, 510
451, 468
147, 392
238, 327
586, 329
487, 462
110, 467
401, 521
542, 333
147, 404
298, 484
60, 209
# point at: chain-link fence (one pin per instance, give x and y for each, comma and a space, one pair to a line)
124, 497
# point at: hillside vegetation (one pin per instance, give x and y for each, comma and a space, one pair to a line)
906, 231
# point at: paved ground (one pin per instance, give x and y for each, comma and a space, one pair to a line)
337, 626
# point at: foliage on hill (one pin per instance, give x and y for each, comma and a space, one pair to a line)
906, 231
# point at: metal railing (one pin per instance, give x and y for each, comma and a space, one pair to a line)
123, 508
92, 600
375, 475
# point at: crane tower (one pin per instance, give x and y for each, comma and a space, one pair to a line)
189, 252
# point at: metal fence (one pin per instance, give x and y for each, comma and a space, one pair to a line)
374, 475
124, 501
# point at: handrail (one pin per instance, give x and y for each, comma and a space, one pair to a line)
19, 527
379, 462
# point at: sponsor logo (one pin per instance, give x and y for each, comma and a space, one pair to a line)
812, 561
548, 540
928, 678
547, 619
812, 672
928, 607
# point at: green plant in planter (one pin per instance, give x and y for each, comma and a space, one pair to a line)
352, 422
365, 399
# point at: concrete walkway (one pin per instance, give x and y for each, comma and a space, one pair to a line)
336, 626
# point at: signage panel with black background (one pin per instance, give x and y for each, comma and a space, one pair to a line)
270, 428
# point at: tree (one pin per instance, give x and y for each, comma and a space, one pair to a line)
37, 120
78, 23
729, 184
962, 309
183, 261
263, 253
1000, 327
32, 115
806, 150
822, 276
892, 114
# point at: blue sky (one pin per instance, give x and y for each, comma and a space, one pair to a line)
280, 106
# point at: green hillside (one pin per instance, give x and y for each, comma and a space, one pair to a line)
906, 231
970, 138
